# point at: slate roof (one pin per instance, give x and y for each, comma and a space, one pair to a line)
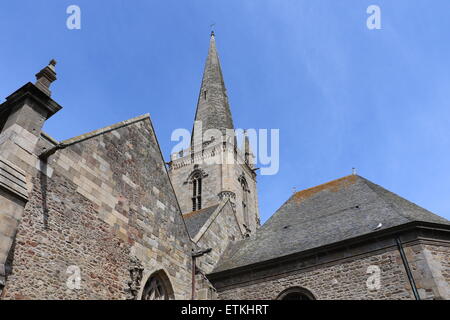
335, 211
196, 219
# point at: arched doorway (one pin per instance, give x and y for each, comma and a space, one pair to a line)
158, 287
296, 293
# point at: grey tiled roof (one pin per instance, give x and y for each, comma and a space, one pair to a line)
196, 219
338, 210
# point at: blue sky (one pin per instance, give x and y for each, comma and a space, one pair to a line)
342, 95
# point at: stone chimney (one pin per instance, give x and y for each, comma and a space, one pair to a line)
22, 116
30, 105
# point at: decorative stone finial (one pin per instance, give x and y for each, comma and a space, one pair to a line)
46, 76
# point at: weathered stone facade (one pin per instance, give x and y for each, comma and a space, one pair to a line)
342, 280
224, 169
21, 120
220, 229
99, 216
106, 198
431, 269
220, 180
348, 278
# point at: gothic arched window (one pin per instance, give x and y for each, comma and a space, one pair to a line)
157, 287
296, 293
197, 191
195, 179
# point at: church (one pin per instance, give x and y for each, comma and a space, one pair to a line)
105, 216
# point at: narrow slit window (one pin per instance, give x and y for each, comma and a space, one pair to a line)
244, 187
196, 192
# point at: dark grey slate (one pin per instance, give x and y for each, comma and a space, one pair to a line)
196, 219
338, 210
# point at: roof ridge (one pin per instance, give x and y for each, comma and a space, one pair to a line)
320, 186
213, 217
191, 213
368, 184
388, 201
95, 133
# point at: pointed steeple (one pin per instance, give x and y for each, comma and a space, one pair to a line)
213, 109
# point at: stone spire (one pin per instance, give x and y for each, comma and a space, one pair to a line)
212, 107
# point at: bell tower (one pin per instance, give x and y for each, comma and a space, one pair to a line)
213, 168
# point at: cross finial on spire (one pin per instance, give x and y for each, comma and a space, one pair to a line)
212, 29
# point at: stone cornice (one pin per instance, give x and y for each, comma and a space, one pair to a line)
208, 152
30, 91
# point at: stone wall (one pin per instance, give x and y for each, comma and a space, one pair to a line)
219, 231
97, 204
211, 184
442, 255
430, 264
21, 118
338, 281
347, 279
222, 173
252, 221
11, 213
61, 228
